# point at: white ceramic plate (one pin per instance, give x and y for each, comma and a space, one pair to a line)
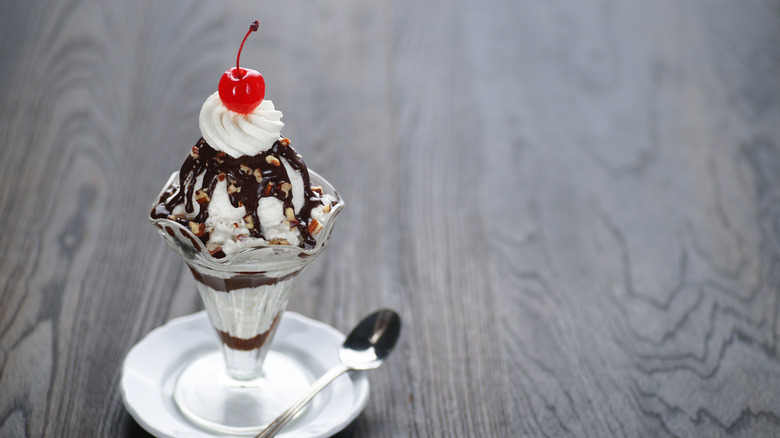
152, 366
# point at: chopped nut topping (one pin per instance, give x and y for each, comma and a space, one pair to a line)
197, 229
290, 213
195, 152
250, 223
246, 169
326, 208
201, 196
314, 226
285, 142
221, 177
270, 159
268, 188
286, 187
213, 248
279, 241
317, 189
233, 189
258, 175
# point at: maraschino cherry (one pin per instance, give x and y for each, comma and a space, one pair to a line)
242, 89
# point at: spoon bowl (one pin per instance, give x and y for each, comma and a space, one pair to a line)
371, 341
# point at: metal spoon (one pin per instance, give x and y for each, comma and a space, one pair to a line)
365, 348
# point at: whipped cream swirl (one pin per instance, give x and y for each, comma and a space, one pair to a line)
240, 134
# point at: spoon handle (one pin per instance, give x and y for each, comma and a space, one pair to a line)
276, 425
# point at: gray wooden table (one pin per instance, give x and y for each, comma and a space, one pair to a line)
575, 206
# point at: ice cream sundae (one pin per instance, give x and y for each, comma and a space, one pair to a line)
246, 215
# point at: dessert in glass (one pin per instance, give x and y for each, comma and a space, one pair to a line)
247, 217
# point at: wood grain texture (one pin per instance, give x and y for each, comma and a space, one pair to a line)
574, 205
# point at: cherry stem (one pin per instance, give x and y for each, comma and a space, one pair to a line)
252, 28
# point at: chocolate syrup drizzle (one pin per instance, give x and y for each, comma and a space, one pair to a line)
237, 343
253, 177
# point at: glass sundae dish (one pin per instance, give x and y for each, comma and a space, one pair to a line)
247, 217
